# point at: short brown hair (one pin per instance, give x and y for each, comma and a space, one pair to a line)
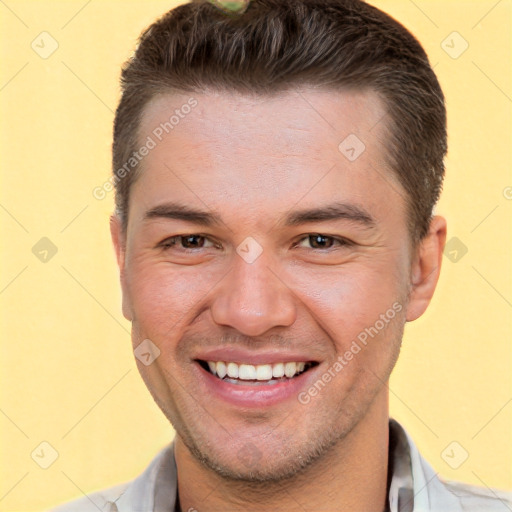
276, 45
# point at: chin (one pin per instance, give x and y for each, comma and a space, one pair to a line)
259, 461
249, 464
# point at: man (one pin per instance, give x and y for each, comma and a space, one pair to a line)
276, 167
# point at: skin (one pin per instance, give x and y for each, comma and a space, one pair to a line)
252, 161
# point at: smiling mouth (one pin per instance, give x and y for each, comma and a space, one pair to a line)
256, 375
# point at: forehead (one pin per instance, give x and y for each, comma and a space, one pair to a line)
223, 148
220, 116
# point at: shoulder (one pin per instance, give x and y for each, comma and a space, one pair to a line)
433, 493
135, 495
475, 498
99, 501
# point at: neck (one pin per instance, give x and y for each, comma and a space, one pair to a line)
351, 477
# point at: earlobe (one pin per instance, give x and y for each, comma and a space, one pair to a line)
426, 268
119, 241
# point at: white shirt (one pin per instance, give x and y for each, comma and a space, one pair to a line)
414, 487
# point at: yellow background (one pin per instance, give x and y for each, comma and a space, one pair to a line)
68, 374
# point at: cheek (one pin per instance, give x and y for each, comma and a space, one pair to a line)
161, 294
350, 299
362, 312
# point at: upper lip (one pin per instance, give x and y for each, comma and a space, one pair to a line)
236, 355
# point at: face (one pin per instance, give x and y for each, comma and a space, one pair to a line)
255, 242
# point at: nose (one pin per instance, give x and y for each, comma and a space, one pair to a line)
253, 298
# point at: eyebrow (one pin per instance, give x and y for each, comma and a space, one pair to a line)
182, 212
335, 211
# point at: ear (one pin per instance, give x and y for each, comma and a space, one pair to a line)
426, 267
119, 240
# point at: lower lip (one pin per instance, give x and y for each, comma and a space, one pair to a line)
253, 396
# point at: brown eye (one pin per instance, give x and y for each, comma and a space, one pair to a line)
192, 241
319, 241
188, 242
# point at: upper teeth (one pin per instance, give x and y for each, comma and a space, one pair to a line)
255, 372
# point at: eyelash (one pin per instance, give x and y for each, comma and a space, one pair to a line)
168, 243
341, 241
